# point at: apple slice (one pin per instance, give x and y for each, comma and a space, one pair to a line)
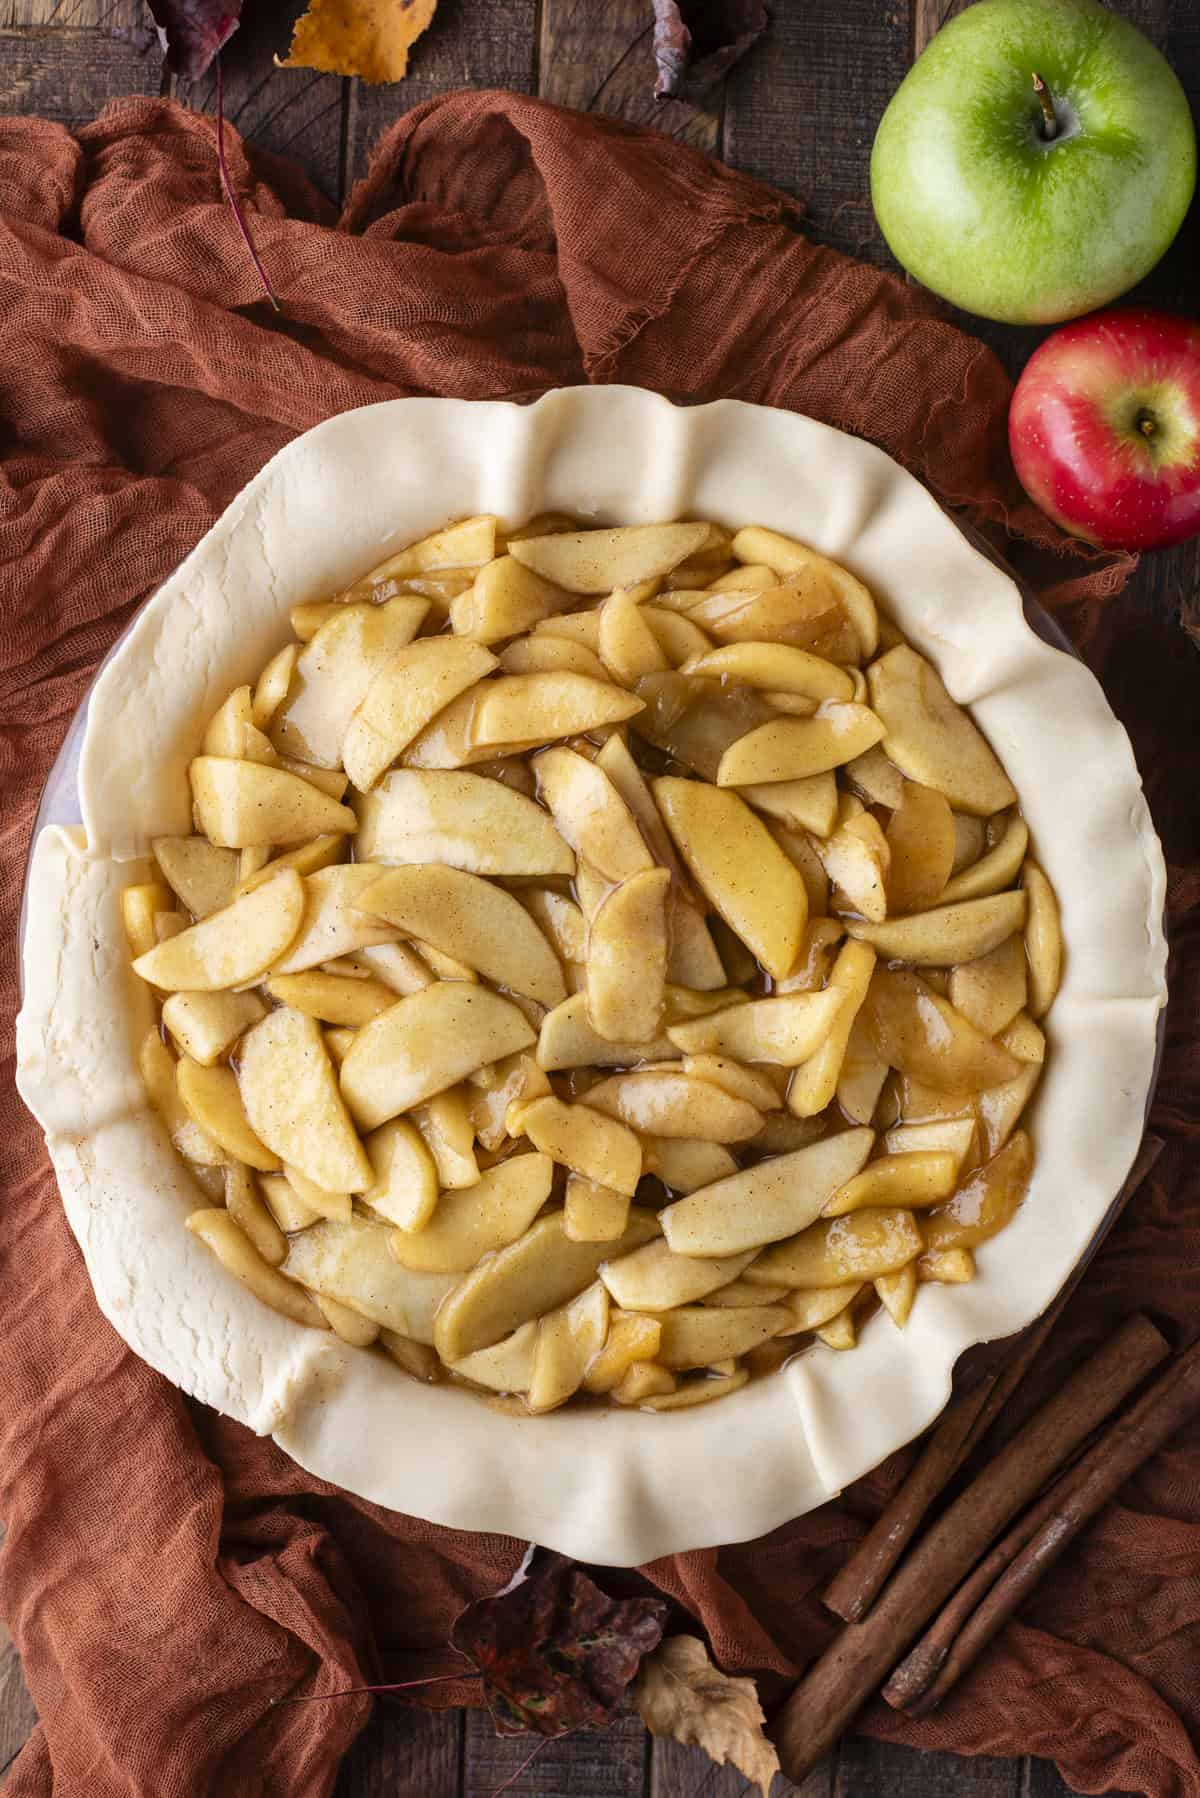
239, 1257
695, 721
291, 1097
815, 1082
990, 991
655, 1278
947, 935
683, 1164
468, 1225
447, 742
668, 1103
505, 600
333, 923
568, 1340
211, 1099
915, 1180
559, 919
784, 1030
507, 1366
581, 628
317, 1200
627, 958
272, 686
245, 805
541, 1270
631, 1340
584, 1140
445, 1126
229, 724
352, 1264
333, 998
796, 748
199, 872
206, 1025
786, 557
413, 686
285, 1204
836, 1250
990, 873
774, 667
810, 804
919, 1033
551, 655
335, 670
957, 1135
987, 1202
701, 1335
598, 561
856, 859
492, 1090
592, 1212
677, 637
920, 838
862, 1075
464, 820
425, 1043
591, 815
309, 858
799, 613
466, 545
249, 1212
1043, 940
537, 708
157, 1067
763, 1203
876, 780
230, 947
473, 920
568, 1040
752, 1084
739, 867
628, 647
932, 739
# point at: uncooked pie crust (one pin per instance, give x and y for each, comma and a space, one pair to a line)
603, 1485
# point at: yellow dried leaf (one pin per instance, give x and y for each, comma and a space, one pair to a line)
370, 39
680, 1693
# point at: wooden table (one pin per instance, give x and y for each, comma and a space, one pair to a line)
800, 112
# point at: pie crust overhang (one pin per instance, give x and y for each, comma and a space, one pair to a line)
602, 1485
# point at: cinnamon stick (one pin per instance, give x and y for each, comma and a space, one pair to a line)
966, 1420
834, 1689
854, 1589
1005, 1579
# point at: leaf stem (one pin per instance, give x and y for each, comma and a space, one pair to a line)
227, 184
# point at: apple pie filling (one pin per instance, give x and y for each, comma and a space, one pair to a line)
605, 960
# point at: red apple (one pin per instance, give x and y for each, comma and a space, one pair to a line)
1104, 429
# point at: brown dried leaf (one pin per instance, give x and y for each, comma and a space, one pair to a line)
680, 1693
370, 39
696, 42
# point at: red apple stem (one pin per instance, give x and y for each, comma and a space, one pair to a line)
1049, 117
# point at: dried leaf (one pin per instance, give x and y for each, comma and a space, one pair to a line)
680, 1693
696, 42
554, 1650
370, 39
194, 30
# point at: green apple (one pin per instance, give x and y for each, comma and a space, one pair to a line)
1036, 161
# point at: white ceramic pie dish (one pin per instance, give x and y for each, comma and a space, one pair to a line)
603, 1485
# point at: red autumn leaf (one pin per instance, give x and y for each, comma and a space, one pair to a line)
194, 31
696, 42
555, 1651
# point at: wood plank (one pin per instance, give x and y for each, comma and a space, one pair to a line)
601, 59
290, 112
802, 107
108, 15
679, 1772
17, 1715
869, 1769
471, 43
69, 74
607, 1763
1041, 1779
404, 1750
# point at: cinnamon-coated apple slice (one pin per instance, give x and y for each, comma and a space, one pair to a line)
445, 1126
991, 872
470, 1224
664, 1102
991, 991
786, 557
504, 600
426, 1043
738, 867
352, 1263
551, 655
785, 1030
593, 1212
201, 873
405, 1190
587, 1141
206, 1025
538, 708
211, 1098
946, 935
857, 860
334, 671
462, 819
627, 951
247, 805
683, 1163
628, 647
568, 1341
921, 841
336, 999
1043, 940
836, 1250
932, 739
916, 1031
461, 548
914, 1180
291, 1098
701, 1335
590, 814
507, 1366
799, 612
333, 924
541, 1270
473, 920
815, 1081
568, 1040
230, 947
157, 1065
774, 667
599, 561
631, 1339
655, 1277
764, 1203
796, 748
413, 686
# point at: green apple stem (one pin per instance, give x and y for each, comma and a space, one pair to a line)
1049, 119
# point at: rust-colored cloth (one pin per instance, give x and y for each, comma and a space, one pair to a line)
165, 1574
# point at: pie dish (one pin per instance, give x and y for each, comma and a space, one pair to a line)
605, 1486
